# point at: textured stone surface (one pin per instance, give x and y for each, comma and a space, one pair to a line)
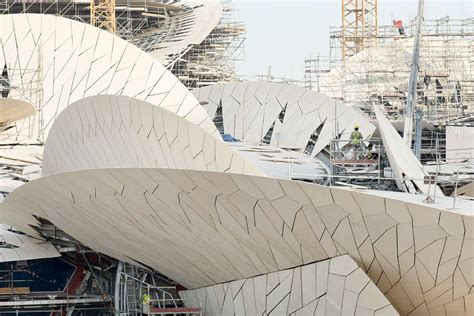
289, 116
118, 131
53, 61
188, 226
334, 286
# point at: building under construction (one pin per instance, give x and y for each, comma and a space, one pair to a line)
369, 64
135, 180
378, 73
207, 53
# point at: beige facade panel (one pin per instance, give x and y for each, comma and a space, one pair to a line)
182, 31
409, 173
336, 286
12, 110
17, 247
119, 132
53, 61
203, 228
289, 115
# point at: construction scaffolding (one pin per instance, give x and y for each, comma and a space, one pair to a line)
314, 68
141, 292
214, 59
379, 74
147, 24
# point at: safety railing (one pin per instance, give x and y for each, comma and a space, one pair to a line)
341, 151
166, 306
155, 300
433, 180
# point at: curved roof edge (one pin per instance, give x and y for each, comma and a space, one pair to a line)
290, 116
110, 131
190, 225
195, 24
97, 62
12, 110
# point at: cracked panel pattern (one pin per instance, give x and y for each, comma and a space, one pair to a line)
294, 115
52, 61
202, 228
117, 131
15, 247
335, 286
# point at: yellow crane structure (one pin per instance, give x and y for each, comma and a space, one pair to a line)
103, 14
359, 24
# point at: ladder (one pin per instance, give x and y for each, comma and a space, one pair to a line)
131, 296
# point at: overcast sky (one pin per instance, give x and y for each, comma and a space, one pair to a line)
282, 33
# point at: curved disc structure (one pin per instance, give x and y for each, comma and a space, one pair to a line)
181, 31
402, 160
202, 228
12, 110
53, 61
290, 116
336, 286
18, 247
118, 132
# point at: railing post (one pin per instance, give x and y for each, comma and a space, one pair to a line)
455, 189
289, 166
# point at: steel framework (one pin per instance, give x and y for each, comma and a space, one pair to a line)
379, 74
103, 14
359, 24
149, 23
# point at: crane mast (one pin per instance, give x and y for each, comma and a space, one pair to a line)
103, 14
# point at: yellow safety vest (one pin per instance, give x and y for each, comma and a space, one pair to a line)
146, 299
356, 138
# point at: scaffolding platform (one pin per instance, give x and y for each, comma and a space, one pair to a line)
348, 165
354, 161
175, 311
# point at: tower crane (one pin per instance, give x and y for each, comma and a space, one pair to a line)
103, 14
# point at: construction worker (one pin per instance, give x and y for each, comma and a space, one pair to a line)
356, 141
372, 153
146, 299
399, 25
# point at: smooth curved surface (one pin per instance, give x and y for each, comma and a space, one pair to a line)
333, 287
402, 160
181, 31
18, 247
466, 190
202, 228
119, 132
53, 61
12, 110
251, 109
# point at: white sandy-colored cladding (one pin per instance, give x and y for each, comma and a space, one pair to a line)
336, 286
118, 132
17, 247
12, 110
182, 31
201, 228
250, 109
402, 160
53, 61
